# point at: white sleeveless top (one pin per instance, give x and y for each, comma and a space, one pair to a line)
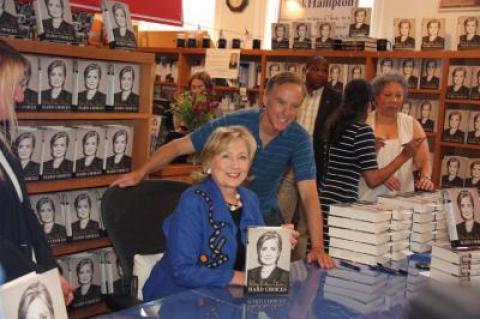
386, 154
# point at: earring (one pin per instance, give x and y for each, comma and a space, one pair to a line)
208, 171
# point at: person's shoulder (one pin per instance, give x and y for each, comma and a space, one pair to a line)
249, 193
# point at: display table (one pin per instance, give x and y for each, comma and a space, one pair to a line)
314, 293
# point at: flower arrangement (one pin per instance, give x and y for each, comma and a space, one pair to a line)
194, 110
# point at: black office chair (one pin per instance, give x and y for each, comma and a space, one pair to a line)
133, 217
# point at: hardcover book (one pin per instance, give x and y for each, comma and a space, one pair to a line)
468, 37
473, 173
386, 65
463, 216
337, 76
34, 296
453, 171
410, 70
280, 36
455, 125
127, 87
119, 143
54, 20
426, 114
118, 24
456, 256
56, 84
404, 34
475, 83
58, 152
431, 74
51, 215
8, 19
86, 274
268, 260
25, 18
84, 210
355, 71
273, 68
28, 147
459, 82
90, 91
473, 135
433, 34
32, 77
325, 35
360, 26
89, 151
302, 35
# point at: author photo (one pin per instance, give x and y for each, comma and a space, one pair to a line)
473, 136
84, 226
325, 33
45, 208
91, 95
404, 40
359, 27
280, 36
453, 133
119, 160
36, 302
475, 92
408, 66
335, 78
59, 164
468, 228
57, 76
432, 39
458, 89
90, 164
451, 179
8, 21
269, 250
121, 33
24, 147
86, 290
470, 38
474, 180
425, 113
126, 98
302, 39
429, 81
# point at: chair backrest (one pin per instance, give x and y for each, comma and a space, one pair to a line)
133, 217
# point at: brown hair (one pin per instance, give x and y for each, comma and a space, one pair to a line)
204, 77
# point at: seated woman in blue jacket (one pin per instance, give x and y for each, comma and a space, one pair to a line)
206, 233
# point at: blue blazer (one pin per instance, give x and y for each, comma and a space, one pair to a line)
20, 231
201, 241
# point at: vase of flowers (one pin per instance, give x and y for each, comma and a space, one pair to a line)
194, 110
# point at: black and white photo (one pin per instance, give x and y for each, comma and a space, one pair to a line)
302, 38
467, 31
119, 149
58, 153
336, 77
87, 278
431, 70
473, 175
459, 82
280, 36
462, 217
361, 23
473, 135
410, 71
28, 148
433, 34
118, 24
268, 260
325, 35
51, 216
386, 65
8, 18
89, 150
475, 83
91, 86
404, 34
407, 107
355, 71
453, 171
126, 98
54, 20
32, 85
56, 84
84, 214
455, 126
427, 114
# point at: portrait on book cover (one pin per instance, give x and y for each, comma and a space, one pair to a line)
468, 36
268, 260
51, 212
56, 84
27, 146
280, 36
433, 34
473, 174
386, 65
32, 84
119, 149
360, 25
8, 18
404, 29
431, 72
325, 35
127, 79
90, 151
84, 214
453, 171
273, 68
56, 20
302, 37
408, 107
87, 279
355, 71
427, 111
410, 70
91, 85
475, 83
464, 203
120, 24
455, 126
58, 152
336, 77
473, 135
459, 82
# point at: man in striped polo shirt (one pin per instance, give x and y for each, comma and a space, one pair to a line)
282, 143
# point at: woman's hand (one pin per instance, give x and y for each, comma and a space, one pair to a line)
67, 290
392, 183
294, 235
410, 148
130, 179
425, 183
318, 254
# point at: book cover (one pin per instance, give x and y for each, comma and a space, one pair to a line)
360, 26
30, 102
463, 216
468, 37
404, 33
90, 94
25, 18
302, 35
409, 68
453, 171
56, 84
84, 213
89, 151
456, 256
27, 146
325, 35
408, 107
34, 296
431, 74
337, 76
127, 87
119, 143
86, 279
427, 113
280, 36
455, 125
273, 68
473, 135
54, 20
355, 71
433, 34
473, 173
118, 24
268, 260
98, 194
58, 151
82, 23
51, 215
386, 65
8, 19
459, 82
475, 83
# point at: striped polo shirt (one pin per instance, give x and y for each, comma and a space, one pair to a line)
352, 154
291, 147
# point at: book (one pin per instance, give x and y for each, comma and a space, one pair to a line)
118, 149
354, 235
409, 68
25, 18
84, 210
118, 24
31, 99
442, 276
453, 171
89, 86
82, 23
386, 65
8, 19
34, 296
462, 214
55, 84
467, 33
426, 112
337, 77
360, 26
51, 215
360, 212
356, 256
404, 34
54, 21
455, 256
267, 260
280, 36
455, 269
27, 146
325, 35
86, 272
459, 82
431, 74
475, 83
473, 135
58, 152
357, 246
126, 87
302, 35
359, 225
89, 155
355, 71
433, 34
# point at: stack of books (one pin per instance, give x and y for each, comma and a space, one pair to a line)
428, 218
415, 281
366, 233
359, 44
455, 266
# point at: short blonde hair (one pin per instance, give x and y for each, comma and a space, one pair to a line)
219, 141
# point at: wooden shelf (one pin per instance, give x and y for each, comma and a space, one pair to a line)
459, 145
176, 170
423, 91
163, 83
81, 246
70, 184
324, 53
234, 89
472, 102
81, 116
89, 311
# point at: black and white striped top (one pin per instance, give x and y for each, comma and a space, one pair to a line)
353, 153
